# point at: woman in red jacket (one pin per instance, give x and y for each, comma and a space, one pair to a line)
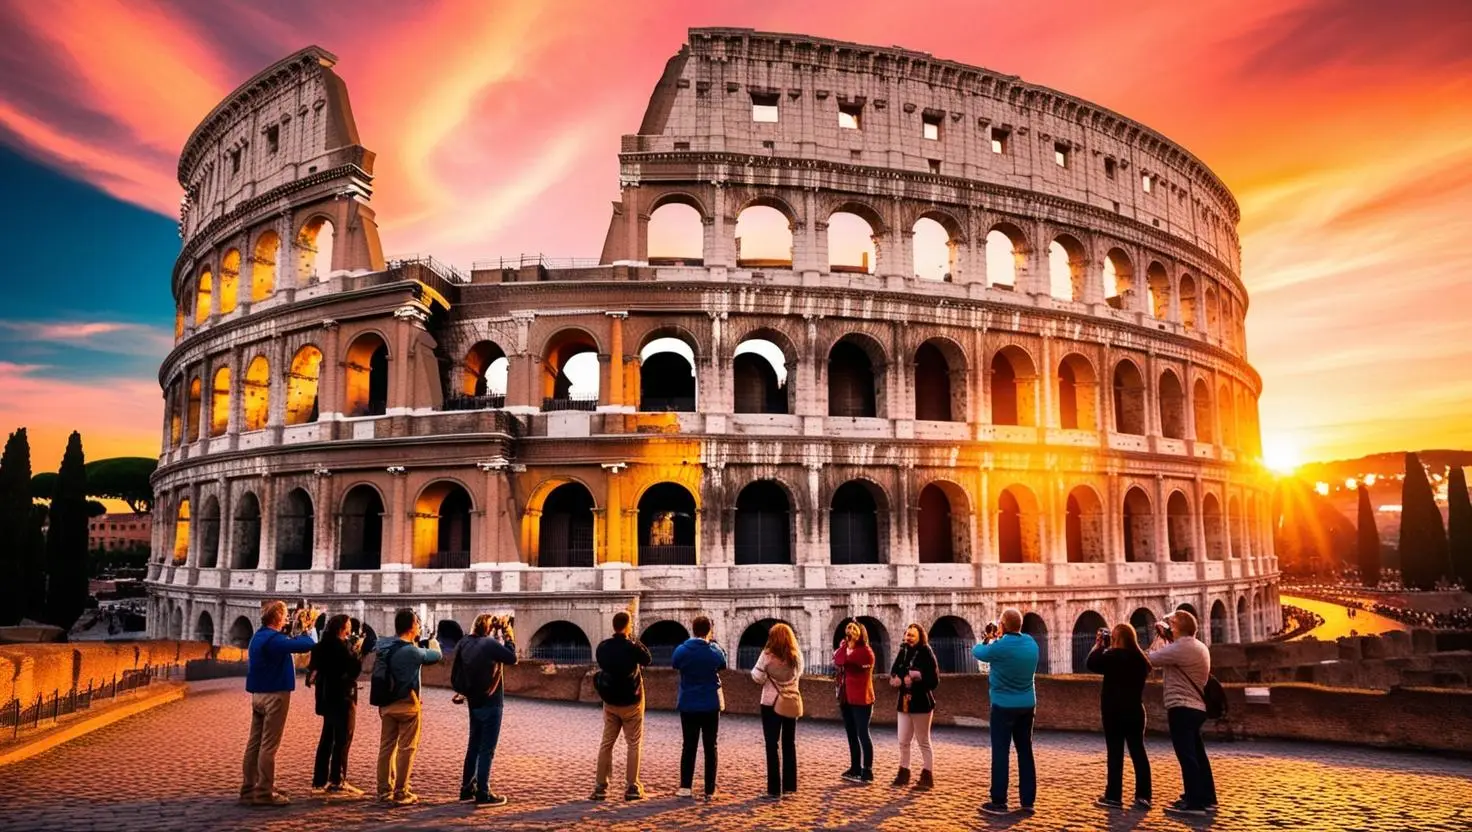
853, 661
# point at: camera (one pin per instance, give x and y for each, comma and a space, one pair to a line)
991, 633
303, 618
1102, 634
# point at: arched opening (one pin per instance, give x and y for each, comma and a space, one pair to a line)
1129, 399
246, 535
1212, 525
1178, 527
1017, 526
360, 541
1244, 621
1085, 630
314, 245
1076, 394
565, 538
562, 642
853, 379
1219, 623
676, 236
1005, 256
295, 524
204, 628
241, 632
1139, 527
934, 250
760, 378
175, 410
181, 533
365, 377
941, 532
263, 266
763, 524
1084, 526
1143, 621
483, 380
1013, 385
1202, 411
763, 238
570, 372
1188, 302
442, 527
753, 639
220, 402
1158, 287
852, 246
191, 420
1172, 406
1213, 312
1191, 609
230, 281
301, 386
449, 632
662, 637
940, 382
209, 534
853, 525
1034, 625
255, 394
667, 526
202, 297
1234, 528
1119, 278
176, 624
878, 642
667, 377
1067, 268
1227, 411
952, 639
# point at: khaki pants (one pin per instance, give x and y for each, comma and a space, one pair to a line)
267, 719
398, 741
630, 720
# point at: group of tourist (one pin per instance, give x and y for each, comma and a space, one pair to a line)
477, 676
1354, 597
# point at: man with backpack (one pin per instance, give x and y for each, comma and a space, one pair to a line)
620, 684
1186, 664
395, 690
477, 676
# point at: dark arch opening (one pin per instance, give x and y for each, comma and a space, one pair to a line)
1034, 625
295, 525
1085, 629
454, 530
241, 632
1143, 621
449, 632
1004, 391
666, 526
247, 549
852, 391
753, 639
1009, 529
209, 534
760, 376
361, 540
853, 530
952, 639
933, 397
1129, 399
662, 637
763, 525
566, 535
1139, 532
204, 628
1178, 527
666, 384
562, 642
1218, 623
935, 526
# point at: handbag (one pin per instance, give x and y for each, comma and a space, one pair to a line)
788, 704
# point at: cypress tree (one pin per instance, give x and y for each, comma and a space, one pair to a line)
1369, 542
1422, 534
66, 539
1459, 526
15, 524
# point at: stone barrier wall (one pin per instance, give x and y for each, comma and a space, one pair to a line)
31, 670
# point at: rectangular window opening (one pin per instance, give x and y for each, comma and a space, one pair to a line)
1109, 167
235, 161
999, 140
764, 107
1060, 154
851, 116
273, 138
930, 126
1147, 182
935, 166
682, 145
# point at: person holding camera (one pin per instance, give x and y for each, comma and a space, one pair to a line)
620, 684
1186, 667
915, 674
699, 661
1013, 659
395, 690
477, 675
270, 677
1118, 658
336, 664
853, 661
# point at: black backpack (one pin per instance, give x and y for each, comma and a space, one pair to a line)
382, 689
1213, 695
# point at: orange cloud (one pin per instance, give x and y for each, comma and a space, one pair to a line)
118, 418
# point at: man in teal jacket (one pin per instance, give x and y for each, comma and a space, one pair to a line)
1013, 658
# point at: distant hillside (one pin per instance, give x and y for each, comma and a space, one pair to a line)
1381, 465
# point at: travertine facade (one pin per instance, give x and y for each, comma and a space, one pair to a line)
1062, 418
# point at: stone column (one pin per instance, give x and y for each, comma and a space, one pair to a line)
616, 549
615, 395
325, 531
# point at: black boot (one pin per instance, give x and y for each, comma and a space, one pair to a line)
926, 782
901, 778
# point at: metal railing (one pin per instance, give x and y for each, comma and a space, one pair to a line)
570, 403
667, 404
494, 401
563, 653
522, 261
15, 716
667, 555
443, 270
449, 560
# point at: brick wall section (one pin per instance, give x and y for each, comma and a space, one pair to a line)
29, 670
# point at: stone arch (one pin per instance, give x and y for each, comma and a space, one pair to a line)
301, 386
365, 375
753, 639
1219, 633
203, 291
1212, 524
220, 402
562, 642
195, 406
1034, 625
181, 533
855, 231
1143, 620
263, 262
1118, 275
667, 374
675, 232
295, 525
1013, 387
246, 536
763, 234
662, 637
1019, 526
485, 371
1085, 630
315, 243
952, 637
667, 526
209, 533
443, 526
858, 523
565, 529
1157, 289
762, 365
1078, 396
764, 528
940, 381
565, 385
855, 375
241, 631
204, 628
1179, 534
1187, 291
360, 530
1227, 412
1172, 399
936, 240
1129, 398
1139, 527
1068, 268
1244, 620
943, 523
1212, 312
1202, 411
229, 281
1234, 528
1084, 526
1006, 255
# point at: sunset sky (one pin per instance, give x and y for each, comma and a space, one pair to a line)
1344, 127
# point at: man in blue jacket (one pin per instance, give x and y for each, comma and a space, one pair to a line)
1013, 658
700, 661
270, 677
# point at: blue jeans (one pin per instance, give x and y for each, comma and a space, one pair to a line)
485, 731
1185, 734
1013, 726
860, 745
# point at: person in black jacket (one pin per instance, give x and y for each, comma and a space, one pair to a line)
620, 683
333, 671
1117, 655
477, 676
915, 675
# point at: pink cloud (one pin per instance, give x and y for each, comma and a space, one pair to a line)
121, 417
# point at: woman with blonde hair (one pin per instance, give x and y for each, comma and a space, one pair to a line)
1117, 655
777, 671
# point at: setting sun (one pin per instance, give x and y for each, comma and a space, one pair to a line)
1281, 455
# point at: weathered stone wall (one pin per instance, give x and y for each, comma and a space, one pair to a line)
31, 670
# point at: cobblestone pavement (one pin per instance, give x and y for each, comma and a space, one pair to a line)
177, 768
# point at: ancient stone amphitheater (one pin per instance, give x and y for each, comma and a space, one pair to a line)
872, 334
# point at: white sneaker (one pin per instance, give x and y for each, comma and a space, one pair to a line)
683, 793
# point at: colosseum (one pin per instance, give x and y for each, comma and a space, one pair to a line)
872, 333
